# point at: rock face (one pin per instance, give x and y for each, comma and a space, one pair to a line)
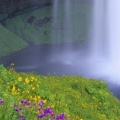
7, 6
10, 9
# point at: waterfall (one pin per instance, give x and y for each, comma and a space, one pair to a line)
114, 35
106, 37
103, 58
61, 21
98, 40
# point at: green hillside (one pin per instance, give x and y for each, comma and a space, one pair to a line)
79, 98
32, 26
9, 42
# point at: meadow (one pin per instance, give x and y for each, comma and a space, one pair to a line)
28, 96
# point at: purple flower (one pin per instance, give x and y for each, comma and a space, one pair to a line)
16, 110
1, 101
22, 101
48, 111
62, 116
21, 117
26, 102
40, 108
41, 116
41, 103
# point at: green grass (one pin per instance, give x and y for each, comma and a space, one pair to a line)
78, 97
31, 32
9, 42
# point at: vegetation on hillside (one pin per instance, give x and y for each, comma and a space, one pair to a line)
9, 42
22, 96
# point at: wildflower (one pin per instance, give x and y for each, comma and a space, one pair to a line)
26, 102
22, 102
32, 78
13, 89
41, 103
40, 116
44, 101
33, 88
1, 101
48, 111
21, 117
62, 116
52, 106
19, 79
17, 108
35, 98
26, 80
40, 108
31, 97
38, 97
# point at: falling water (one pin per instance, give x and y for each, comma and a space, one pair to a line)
98, 28
61, 21
104, 54
106, 34
114, 36
62, 28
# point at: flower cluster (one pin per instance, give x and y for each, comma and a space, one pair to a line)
21, 117
1, 101
43, 112
25, 102
49, 112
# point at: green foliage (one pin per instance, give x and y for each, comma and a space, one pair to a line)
78, 97
9, 42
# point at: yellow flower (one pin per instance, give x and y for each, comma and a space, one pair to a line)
44, 101
38, 97
52, 106
35, 98
13, 89
32, 78
26, 80
33, 88
31, 97
20, 79
18, 89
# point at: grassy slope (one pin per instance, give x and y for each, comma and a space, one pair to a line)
81, 98
31, 32
9, 42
